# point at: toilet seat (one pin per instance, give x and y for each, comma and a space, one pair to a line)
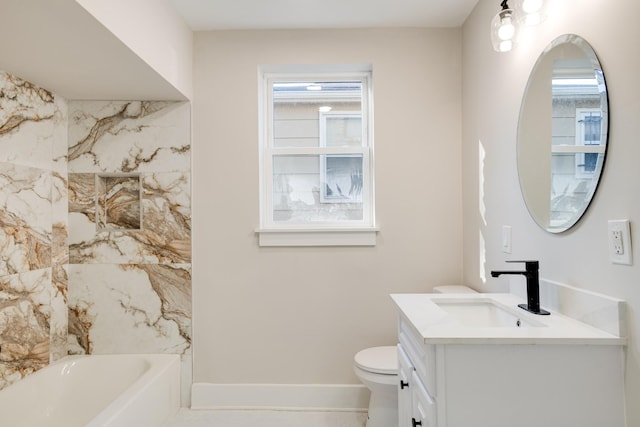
378, 360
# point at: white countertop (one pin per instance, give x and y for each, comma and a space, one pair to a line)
436, 326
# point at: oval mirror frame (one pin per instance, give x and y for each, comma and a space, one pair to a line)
562, 133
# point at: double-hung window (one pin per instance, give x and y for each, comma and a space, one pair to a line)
316, 158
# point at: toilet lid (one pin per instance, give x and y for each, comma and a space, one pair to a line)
379, 360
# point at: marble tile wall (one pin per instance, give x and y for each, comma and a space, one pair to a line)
130, 228
33, 228
95, 228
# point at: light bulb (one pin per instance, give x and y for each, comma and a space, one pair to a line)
506, 30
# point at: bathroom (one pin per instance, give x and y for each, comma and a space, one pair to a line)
446, 116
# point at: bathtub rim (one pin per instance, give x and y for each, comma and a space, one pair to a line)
161, 370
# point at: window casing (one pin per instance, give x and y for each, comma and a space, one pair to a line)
316, 159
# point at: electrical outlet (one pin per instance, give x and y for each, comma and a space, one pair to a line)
618, 246
620, 242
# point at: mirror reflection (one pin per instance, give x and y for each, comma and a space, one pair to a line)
562, 133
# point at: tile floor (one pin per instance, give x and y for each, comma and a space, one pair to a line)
267, 418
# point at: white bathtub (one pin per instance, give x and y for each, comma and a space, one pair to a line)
136, 390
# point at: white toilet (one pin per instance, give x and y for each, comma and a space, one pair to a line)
377, 368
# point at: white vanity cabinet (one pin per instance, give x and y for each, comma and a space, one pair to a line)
405, 379
423, 410
415, 406
473, 382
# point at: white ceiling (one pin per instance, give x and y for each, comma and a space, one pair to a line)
203, 15
58, 45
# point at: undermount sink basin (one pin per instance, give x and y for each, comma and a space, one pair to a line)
485, 314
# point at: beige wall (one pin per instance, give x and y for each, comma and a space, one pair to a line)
155, 32
578, 257
298, 315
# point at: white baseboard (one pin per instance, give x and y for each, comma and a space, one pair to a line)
300, 397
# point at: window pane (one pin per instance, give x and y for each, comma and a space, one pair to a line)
317, 188
298, 106
342, 178
341, 130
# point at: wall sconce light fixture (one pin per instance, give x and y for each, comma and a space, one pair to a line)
504, 26
503, 29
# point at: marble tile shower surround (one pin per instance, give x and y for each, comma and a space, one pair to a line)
33, 125
114, 308
124, 137
145, 139
69, 283
25, 214
165, 234
118, 202
27, 303
33, 228
130, 229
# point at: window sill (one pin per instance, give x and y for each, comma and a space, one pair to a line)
318, 237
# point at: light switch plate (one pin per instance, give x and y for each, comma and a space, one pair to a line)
619, 238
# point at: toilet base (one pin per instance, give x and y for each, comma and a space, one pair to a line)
382, 384
383, 409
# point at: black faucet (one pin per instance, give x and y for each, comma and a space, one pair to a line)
533, 286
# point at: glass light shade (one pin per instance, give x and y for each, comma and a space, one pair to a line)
507, 30
530, 12
531, 6
503, 31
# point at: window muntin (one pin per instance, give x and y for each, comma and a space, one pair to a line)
316, 152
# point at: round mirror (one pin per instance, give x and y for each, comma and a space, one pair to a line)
562, 133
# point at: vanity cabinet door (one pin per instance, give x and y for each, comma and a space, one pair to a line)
421, 355
405, 370
423, 406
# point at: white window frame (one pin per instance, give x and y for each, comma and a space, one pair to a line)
336, 233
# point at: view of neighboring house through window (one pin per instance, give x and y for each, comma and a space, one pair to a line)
316, 151
588, 134
577, 147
